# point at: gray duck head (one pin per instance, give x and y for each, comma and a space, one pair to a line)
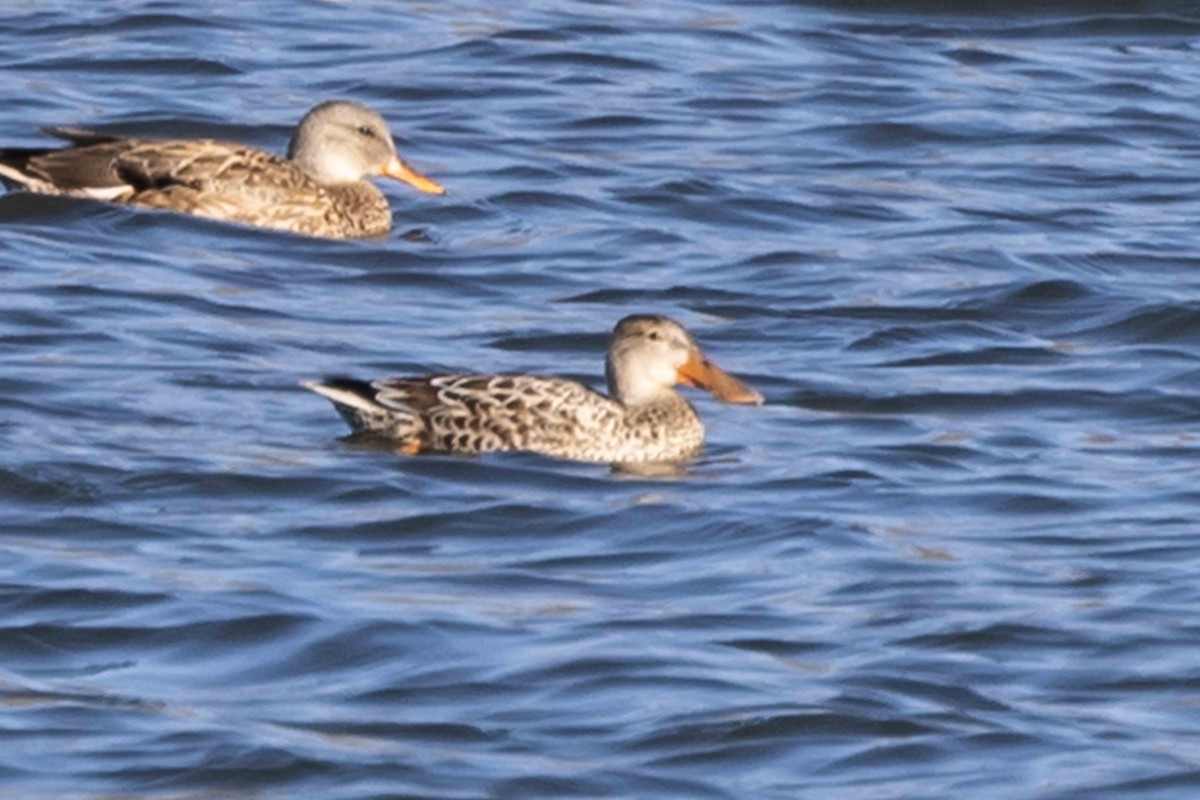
342, 142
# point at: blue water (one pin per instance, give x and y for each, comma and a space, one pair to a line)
954, 556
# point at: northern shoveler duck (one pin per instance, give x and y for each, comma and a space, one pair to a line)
642, 420
320, 189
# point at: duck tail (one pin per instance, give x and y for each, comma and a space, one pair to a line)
357, 402
14, 166
345, 392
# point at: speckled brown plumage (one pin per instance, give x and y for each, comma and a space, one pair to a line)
319, 190
644, 421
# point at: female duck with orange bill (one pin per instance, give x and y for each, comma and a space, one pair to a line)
642, 419
319, 189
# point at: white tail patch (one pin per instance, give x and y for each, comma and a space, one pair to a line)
340, 396
39, 186
21, 179
103, 192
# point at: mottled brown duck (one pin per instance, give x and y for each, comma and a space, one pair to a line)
319, 189
642, 419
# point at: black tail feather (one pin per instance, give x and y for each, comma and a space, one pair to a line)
80, 137
353, 385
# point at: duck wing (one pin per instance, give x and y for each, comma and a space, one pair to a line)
84, 169
473, 413
481, 413
105, 166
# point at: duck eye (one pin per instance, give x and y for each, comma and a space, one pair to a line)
654, 336
367, 132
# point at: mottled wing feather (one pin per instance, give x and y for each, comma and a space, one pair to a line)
212, 165
220, 181
517, 412
483, 413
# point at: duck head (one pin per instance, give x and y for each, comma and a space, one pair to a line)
342, 142
651, 354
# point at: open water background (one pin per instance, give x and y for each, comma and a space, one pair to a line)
957, 554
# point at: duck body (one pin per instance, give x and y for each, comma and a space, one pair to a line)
320, 189
642, 420
473, 414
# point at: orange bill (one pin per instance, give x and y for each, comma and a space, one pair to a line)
701, 373
403, 172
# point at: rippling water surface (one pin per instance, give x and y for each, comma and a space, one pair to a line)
955, 555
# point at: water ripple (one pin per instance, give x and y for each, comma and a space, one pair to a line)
953, 555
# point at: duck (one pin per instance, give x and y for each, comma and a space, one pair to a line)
642, 419
319, 189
